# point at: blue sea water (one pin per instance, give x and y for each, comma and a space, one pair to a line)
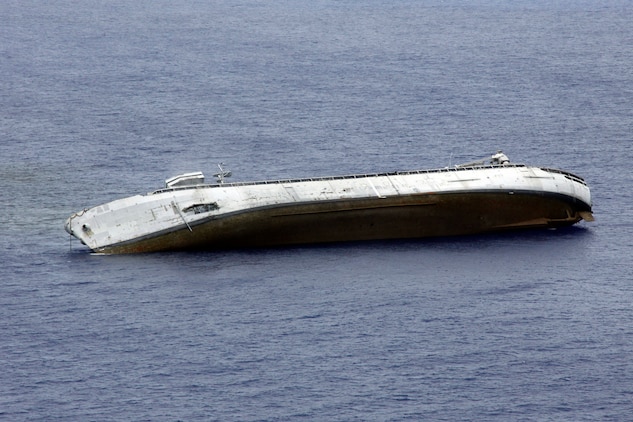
100, 100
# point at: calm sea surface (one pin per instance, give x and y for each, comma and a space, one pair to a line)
100, 100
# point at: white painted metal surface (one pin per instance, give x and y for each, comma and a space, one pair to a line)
168, 209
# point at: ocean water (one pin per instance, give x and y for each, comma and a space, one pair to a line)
100, 100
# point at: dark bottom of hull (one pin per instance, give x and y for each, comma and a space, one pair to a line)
370, 219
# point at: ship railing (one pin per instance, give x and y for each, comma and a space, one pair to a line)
567, 175
350, 176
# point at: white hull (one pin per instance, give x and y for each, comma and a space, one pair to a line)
391, 205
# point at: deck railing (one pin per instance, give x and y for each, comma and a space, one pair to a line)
350, 176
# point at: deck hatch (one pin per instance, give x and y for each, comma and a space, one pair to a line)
202, 208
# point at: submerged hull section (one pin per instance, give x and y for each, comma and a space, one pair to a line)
388, 206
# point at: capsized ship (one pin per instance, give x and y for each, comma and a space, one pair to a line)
482, 196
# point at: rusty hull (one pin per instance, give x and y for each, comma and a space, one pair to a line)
395, 217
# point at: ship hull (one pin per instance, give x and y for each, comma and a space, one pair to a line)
418, 204
415, 216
